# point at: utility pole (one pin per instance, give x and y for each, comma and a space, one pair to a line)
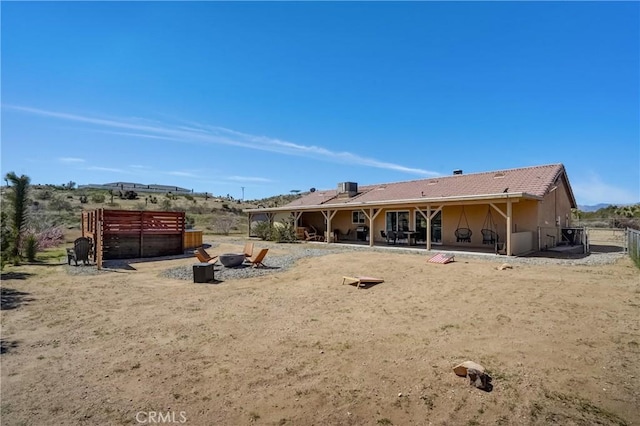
242, 192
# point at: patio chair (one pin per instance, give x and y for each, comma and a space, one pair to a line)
342, 236
248, 249
312, 236
463, 235
392, 237
81, 250
204, 257
489, 236
256, 261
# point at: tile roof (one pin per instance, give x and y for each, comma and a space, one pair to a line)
536, 181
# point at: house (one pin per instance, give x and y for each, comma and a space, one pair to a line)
517, 210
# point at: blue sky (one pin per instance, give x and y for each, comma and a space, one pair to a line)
281, 96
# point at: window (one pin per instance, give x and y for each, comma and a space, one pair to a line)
358, 217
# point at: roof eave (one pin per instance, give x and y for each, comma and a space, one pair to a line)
421, 200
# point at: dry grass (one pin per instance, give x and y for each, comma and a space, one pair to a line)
297, 347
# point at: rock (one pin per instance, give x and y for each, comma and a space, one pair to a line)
504, 266
479, 379
461, 369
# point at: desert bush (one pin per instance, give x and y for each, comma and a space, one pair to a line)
31, 247
198, 209
129, 195
52, 236
83, 199
284, 232
165, 204
59, 204
189, 222
98, 198
6, 239
189, 197
262, 230
223, 224
44, 195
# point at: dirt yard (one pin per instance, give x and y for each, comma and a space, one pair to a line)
130, 346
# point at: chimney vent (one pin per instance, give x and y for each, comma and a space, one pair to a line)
457, 172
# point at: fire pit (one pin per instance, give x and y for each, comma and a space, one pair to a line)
230, 260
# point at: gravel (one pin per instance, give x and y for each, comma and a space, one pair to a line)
280, 263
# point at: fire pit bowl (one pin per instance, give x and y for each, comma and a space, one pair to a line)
231, 260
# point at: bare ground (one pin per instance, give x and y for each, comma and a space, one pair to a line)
297, 347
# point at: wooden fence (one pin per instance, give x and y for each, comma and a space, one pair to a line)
127, 234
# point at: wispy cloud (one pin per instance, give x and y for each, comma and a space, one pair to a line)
71, 160
205, 134
248, 179
182, 174
593, 191
105, 169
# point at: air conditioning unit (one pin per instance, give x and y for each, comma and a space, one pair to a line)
350, 188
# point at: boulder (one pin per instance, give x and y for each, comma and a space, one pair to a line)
461, 369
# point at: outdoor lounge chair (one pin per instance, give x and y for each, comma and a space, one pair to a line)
312, 236
81, 249
204, 257
248, 249
256, 261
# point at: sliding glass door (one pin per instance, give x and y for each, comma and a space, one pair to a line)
397, 221
436, 228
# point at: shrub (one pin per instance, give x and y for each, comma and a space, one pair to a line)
6, 239
189, 222
50, 237
223, 224
130, 195
59, 204
262, 230
83, 199
31, 247
44, 195
98, 198
284, 232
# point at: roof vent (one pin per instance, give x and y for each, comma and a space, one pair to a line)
457, 172
348, 189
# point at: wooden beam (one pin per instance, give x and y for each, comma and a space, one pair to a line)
509, 216
498, 210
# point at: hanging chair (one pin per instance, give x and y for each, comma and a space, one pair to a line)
489, 236
463, 235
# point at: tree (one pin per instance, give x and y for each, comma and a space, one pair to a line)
18, 201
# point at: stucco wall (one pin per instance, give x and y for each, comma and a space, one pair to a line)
555, 208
